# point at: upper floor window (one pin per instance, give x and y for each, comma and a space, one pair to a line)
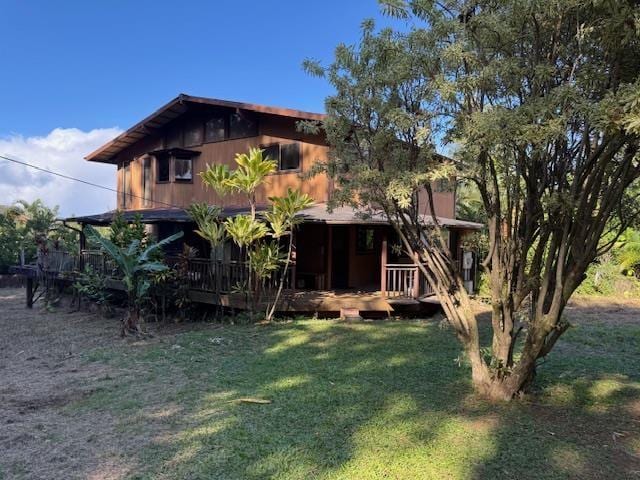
174, 165
290, 156
241, 125
163, 163
183, 169
214, 129
174, 138
220, 126
146, 180
287, 156
193, 133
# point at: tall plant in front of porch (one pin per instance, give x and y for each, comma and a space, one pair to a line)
258, 238
136, 265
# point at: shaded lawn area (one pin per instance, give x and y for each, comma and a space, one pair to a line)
360, 400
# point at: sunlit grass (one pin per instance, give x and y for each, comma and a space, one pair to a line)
362, 400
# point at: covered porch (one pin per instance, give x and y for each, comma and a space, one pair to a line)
340, 261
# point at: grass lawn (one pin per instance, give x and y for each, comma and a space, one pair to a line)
348, 400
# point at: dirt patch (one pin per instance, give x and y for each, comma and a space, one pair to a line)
44, 373
613, 311
41, 373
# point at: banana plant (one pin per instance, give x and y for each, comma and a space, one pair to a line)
135, 264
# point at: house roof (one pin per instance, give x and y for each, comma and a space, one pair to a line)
174, 109
317, 213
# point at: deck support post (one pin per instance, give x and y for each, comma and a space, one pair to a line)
327, 280
416, 277
383, 265
29, 292
294, 262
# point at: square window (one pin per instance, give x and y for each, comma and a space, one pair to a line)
162, 169
214, 129
271, 152
183, 169
193, 134
174, 138
240, 125
290, 156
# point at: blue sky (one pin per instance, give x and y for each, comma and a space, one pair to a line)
75, 73
94, 64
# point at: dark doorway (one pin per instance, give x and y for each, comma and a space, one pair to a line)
340, 257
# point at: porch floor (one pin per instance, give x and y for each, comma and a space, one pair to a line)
326, 302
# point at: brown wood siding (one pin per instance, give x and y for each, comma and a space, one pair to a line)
275, 130
444, 203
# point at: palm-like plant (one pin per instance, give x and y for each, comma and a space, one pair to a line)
246, 178
629, 252
247, 231
282, 218
207, 217
135, 264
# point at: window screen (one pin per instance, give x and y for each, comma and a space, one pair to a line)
162, 169
183, 169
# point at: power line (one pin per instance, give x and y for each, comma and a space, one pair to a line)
67, 177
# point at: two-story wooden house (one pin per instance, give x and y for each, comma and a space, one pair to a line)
158, 161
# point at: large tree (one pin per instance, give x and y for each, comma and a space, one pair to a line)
538, 102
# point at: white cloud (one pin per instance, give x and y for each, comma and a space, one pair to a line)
63, 151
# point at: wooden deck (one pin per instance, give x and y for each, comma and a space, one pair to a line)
212, 283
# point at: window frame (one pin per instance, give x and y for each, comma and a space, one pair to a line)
225, 127
299, 150
195, 124
279, 169
173, 162
253, 118
158, 159
146, 180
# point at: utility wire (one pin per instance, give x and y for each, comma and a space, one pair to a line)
62, 175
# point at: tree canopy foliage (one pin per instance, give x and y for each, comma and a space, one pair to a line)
538, 105
24, 225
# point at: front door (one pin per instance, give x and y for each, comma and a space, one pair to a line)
340, 257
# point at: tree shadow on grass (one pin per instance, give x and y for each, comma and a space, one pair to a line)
371, 400
583, 420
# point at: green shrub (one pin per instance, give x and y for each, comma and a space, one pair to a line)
605, 278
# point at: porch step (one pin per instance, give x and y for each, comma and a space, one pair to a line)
350, 314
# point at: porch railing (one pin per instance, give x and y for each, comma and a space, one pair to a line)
201, 274
404, 280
